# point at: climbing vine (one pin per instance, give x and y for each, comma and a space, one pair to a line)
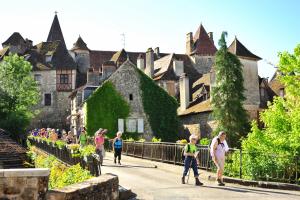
161, 109
103, 109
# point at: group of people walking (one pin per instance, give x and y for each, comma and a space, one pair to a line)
218, 149
99, 140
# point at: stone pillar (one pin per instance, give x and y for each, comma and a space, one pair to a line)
178, 67
189, 43
140, 62
149, 70
184, 92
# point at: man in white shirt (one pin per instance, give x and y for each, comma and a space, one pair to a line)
218, 149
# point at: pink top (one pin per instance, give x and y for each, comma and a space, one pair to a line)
99, 141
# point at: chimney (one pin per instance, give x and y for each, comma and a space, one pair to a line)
156, 51
92, 77
184, 92
211, 36
108, 68
178, 67
189, 43
149, 70
140, 62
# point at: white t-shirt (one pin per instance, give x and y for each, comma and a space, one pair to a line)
222, 148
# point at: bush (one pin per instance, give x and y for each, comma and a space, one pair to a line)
204, 141
183, 141
60, 174
154, 139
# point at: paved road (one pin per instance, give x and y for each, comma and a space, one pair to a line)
163, 183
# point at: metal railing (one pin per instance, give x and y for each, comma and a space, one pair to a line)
91, 163
237, 161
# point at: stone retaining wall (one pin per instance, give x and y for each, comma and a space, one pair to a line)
23, 184
104, 187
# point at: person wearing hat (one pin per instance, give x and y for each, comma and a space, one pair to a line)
218, 149
190, 154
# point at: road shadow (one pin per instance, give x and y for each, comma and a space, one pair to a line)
130, 166
250, 190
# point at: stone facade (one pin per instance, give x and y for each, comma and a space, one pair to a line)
55, 114
23, 184
127, 82
104, 187
200, 124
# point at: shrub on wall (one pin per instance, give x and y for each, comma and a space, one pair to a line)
103, 109
161, 109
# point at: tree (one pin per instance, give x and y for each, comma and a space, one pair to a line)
228, 95
18, 94
281, 134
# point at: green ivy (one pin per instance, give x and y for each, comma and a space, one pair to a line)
161, 109
103, 109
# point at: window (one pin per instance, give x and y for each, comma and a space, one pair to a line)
38, 78
64, 78
48, 58
130, 97
47, 99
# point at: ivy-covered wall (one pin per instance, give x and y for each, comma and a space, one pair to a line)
103, 109
161, 109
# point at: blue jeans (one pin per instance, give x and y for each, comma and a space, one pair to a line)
190, 161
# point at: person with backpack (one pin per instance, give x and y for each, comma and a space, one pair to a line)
190, 154
218, 148
83, 138
117, 147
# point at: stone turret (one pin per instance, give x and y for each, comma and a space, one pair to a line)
81, 55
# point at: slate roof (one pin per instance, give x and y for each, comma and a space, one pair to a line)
240, 50
79, 44
61, 58
14, 39
55, 32
203, 45
12, 155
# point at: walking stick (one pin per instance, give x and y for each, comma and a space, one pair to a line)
195, 157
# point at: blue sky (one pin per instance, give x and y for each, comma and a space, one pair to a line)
265, 27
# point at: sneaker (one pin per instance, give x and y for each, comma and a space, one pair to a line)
119, 163
183, 180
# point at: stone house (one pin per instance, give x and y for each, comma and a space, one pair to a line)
195, 108
127, 82
55, 71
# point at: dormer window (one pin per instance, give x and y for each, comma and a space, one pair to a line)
48, 58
